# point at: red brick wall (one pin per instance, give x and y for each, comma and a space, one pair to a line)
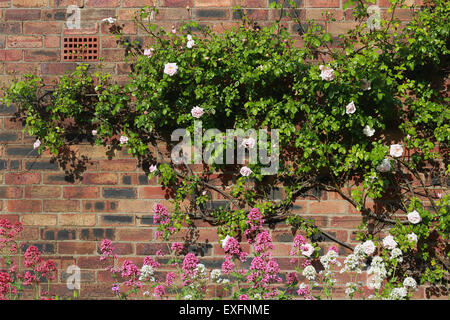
67, 220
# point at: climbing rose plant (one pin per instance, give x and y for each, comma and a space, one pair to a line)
362, 115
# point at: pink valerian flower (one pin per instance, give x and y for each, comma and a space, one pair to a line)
28, 278
232, 247
8, 231
115, 288
152, 263
177, 247
304, 290
159, 291
123, 139
161, 215
334, 248
159, 252
291, 278
189, 264
129, 269
6, 286
255, 221
263, 243
244, 297
327, 73
227, 265
170, 276
306, 263
32, 257
107, 249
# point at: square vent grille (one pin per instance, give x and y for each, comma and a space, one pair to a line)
80, 48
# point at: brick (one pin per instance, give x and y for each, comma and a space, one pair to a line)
22, 14
58, 68
10, 55
42, 192
134, 234
52, 41
137, 206
97, 234
41, 165
100, 206
100, 178
65, 3
155, 193
177, 3
81, 192
327, 207
10, 27
322, 4
119, 193
117, 219
102, 3
39, 219
86, 28
151, 248
22, 178
137, 3
118, 165
123, 248
30, 3
57, 179
10, 192
212, 3
21, 68
77, 219
5, 3
43, 55
76, 248
93, 263
61, 205
211, 14
21, 151
250, 3
58, 234
41, 28
8, 137
345, 222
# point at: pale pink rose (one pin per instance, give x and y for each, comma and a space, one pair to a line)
246, 171
152, 168
197, 112
326, 73
123, 139
396, 150
204, 193
148, 52
389, 242
249, 143
36, 144
368, 247
366, 85
307, 250
414, 217
350, 108
190, 44
206, 58
94, 132
439, 195
261, 67
174, 30
385, 165
170, 69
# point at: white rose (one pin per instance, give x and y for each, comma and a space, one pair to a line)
326, 73
307, 250
368, 247
389, 242
246, 171
368, 131
197, 112
249, 143
396, 150
412, 237
385, 165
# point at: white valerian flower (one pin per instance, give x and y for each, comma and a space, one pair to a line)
215, 274
188, 297
368, 131
146, 273
396, 150
246, 171
398, 293
389, 242
352, 263
223, 281
397, 254
110, 20
384, 166
368, 247
414, 217
412, 237
249, 143
409, 282
197, 112
350, 108
225, 240
170, 69
377, 273
200, 271
309, 272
